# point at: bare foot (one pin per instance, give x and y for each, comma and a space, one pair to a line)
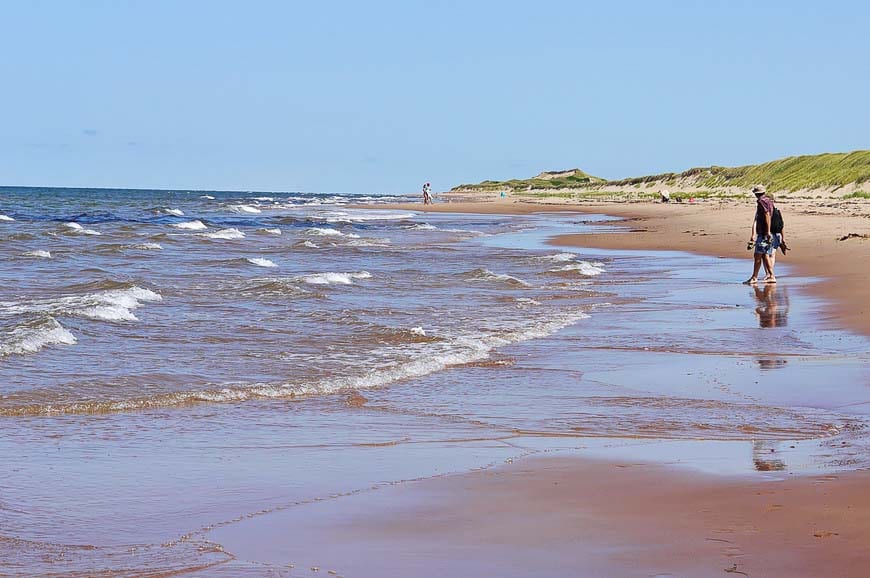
751, 281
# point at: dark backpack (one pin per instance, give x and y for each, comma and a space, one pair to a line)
776, 223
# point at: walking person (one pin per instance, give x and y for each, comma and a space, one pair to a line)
427, 196
761, 238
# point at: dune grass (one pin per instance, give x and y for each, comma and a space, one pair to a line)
828, 170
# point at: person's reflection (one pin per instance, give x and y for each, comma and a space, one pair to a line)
772, 309
763, 457
769, 363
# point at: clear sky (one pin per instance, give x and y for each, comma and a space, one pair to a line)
370, 96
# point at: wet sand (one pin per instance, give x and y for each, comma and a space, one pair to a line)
575, 516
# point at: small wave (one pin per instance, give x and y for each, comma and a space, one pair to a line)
487, 275
39, 253
326, 232
353, 217
582, 267
76, 228
109, 305
275, 231
418, 331
527, 301
368, 243
334, 278
207, 197
561, 257
230, 233
261, 262
459, 351
176, 212
6, 218
148, 246
265, 199
422, 227
190, 225
310, 245
244, 209
31, 337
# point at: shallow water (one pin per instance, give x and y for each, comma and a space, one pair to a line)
177, 363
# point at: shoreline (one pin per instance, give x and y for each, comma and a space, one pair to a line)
718, 230
578, 513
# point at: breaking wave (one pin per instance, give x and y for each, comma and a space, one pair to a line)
334, 278
227, 234
190, 225
109, 305
439, 356
261, 262
30, 337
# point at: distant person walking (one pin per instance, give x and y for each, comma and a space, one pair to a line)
761, 238
427, 194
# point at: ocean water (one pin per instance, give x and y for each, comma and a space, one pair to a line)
175, 362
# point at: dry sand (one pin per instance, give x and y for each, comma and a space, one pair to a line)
574, 516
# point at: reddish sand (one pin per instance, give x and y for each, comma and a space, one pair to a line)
576, 517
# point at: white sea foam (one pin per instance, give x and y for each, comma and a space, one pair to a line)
244, 209
582, 267
109, 305
362, 216
275, 231
33, 336
228, 234
527, 301
190, 225
460, 350
422, 227
310, 245
334, 278
207, 197
326, 232
148, 246
487, 275
561, 257
39, 253
261, 262
418, 331
266, 199
368, 243
176, 212
76, 228
6, 218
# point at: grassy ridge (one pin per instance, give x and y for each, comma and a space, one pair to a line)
574, 178
789, 174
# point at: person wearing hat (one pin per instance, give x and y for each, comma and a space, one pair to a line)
762, 239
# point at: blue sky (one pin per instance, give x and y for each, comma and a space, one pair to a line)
382, 96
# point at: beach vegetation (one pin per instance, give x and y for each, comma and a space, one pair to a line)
807, 172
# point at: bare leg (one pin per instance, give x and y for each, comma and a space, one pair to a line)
755, 268
768, 268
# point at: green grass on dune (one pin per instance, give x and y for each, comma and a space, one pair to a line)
789, 174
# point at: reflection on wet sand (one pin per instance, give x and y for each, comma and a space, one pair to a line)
763, 453
772, 308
